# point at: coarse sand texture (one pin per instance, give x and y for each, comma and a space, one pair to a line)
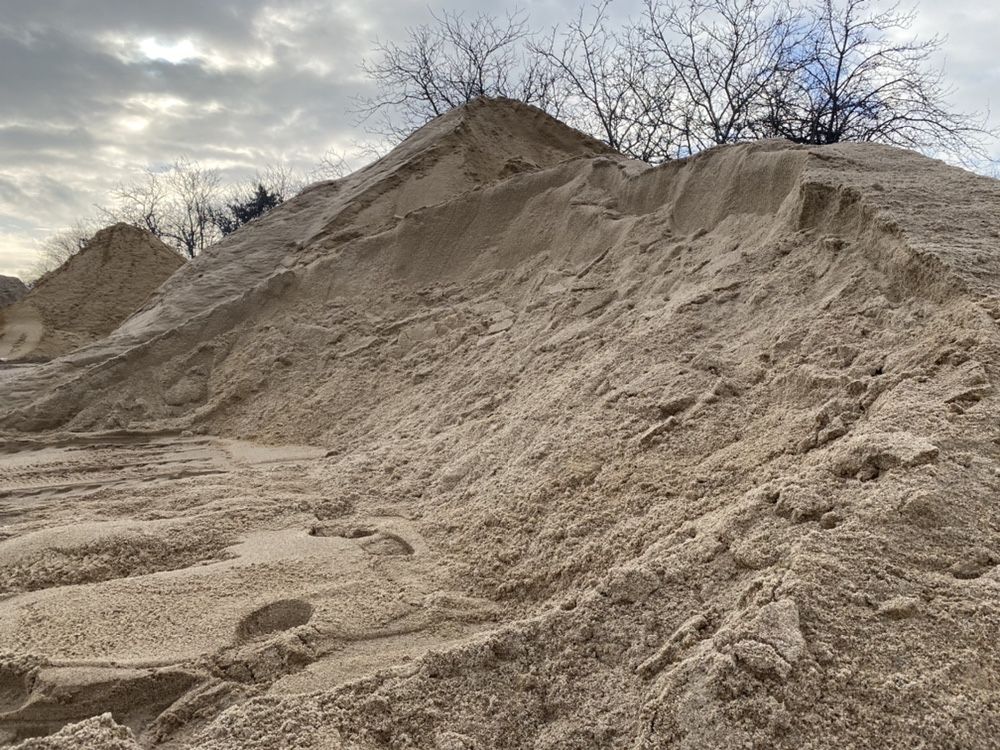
508, 441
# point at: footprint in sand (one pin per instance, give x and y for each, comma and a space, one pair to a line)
371, 540
283, 614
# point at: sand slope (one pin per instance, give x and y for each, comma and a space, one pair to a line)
11, 290
701, 456
88, 296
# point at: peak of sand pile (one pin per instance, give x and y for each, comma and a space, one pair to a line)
599, 455
464, 150
11, 290
88, 296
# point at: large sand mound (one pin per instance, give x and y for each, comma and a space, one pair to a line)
11, 290
88, 296
700, 456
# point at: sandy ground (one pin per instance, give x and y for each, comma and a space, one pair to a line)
506, 441
131, 536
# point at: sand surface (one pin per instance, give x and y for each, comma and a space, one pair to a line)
508, 441
88, 296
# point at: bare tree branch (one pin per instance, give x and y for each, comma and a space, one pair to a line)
450, 62
177, 205
612, 89
725, 55
859, 82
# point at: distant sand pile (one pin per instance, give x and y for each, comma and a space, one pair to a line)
11, 290
88, 296
696, 456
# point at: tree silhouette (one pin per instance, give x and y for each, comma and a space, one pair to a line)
688, 75
449, 62
862, 80
239, 212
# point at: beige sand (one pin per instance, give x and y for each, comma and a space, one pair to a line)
88, 296
506, 441
11, 290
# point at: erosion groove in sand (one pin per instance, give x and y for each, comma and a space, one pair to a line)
508, 441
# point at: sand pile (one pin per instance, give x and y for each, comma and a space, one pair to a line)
11, 290
700, 456
88, 296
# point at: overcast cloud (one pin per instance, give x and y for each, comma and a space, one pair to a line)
93, 92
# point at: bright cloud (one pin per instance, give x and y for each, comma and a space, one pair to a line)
172, 52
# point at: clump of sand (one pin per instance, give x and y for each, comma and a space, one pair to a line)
11, 290
88, 296
694, 456
98, 732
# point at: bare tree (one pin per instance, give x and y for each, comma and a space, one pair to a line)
332, 165
694, 74
57, 248
142, 202
611, 87
178, 205
281, 179
195, 194
726, 55
450, 62
862, 81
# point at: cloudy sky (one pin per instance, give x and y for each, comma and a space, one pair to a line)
93, 91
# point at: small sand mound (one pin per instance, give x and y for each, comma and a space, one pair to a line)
11, 290
88, 296
96, 732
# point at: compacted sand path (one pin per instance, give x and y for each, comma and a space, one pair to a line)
151, 567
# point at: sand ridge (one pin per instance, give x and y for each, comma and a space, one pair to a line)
604, 456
